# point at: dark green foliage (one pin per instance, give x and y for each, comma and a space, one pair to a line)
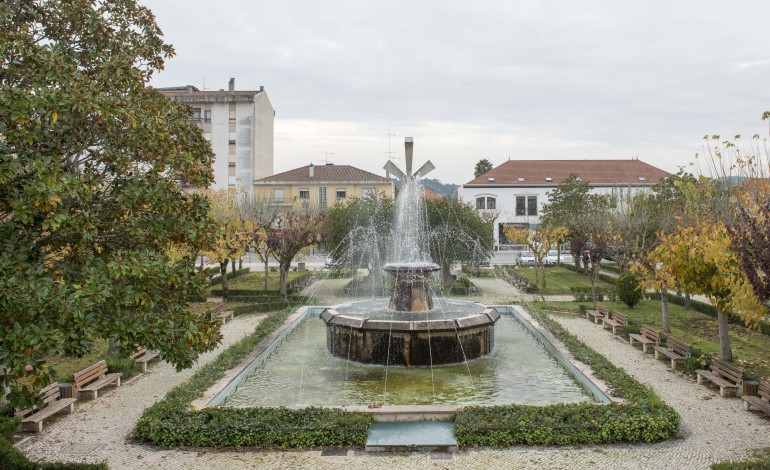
565, 424
217, 279
93, 164
606, 278
262, 427
122, 364
442, 189
643, 418
170, 422
629, 289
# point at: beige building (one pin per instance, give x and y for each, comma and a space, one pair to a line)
322, 185
239, 125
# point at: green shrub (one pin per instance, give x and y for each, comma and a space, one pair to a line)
171, 422
643, 418
629, 288
120, 363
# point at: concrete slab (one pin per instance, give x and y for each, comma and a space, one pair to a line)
424, 436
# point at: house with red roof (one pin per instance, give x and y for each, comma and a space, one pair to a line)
322, 185
517, 190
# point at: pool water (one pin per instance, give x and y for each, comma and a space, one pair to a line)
300, 371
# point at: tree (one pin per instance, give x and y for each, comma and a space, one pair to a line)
539, 240
231, 234
91, 162
565, 208
358, 232
299, 227
700, 259
259, 215
482, 166
456, 233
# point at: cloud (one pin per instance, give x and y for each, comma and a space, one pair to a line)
485, 79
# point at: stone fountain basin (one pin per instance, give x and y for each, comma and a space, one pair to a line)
356, 332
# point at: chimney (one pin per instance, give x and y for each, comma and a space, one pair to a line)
231, 85
261, 88
311, 170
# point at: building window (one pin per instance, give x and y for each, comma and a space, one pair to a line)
486, 203
232, 115
342, 194
278, 194
531, 205
304, 193
207, 115
521, 205
196, 114
322, 197
232, 138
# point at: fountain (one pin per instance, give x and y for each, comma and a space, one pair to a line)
413, 330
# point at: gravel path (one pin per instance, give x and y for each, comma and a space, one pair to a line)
714, 429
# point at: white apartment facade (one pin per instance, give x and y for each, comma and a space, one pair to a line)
240, 126
516, 191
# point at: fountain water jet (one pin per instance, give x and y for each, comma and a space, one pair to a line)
416, 333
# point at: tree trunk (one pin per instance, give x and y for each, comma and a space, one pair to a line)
725, 351
233, 265
223, 273
240, 262
267, 268
543, 268
284, 268
664, 312
687, 300
112, 347
593, 284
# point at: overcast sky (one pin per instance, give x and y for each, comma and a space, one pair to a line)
482, 79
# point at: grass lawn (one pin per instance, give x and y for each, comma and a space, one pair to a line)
65, 367
256, 281
559, 280
751, 349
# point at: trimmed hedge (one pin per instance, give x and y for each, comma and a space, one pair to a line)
583, 294
216, 279
170, 422
643, 418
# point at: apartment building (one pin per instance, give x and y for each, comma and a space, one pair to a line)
240, 126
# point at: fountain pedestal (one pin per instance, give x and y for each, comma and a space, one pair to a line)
411, 290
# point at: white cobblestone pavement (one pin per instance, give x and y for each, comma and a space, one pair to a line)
713, 429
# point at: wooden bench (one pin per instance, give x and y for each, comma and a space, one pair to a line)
143, 356
760, 402
724, 375
219, 313
53, 403
94, 378
647, 336
674, 350
617, 320
600, 313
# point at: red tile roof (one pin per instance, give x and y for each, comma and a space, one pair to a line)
428, 194
531, 173
325, 173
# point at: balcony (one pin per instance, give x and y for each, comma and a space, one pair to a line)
280, 202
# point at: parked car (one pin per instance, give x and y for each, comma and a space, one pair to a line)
527, 258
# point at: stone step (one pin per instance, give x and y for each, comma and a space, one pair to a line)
420, 436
